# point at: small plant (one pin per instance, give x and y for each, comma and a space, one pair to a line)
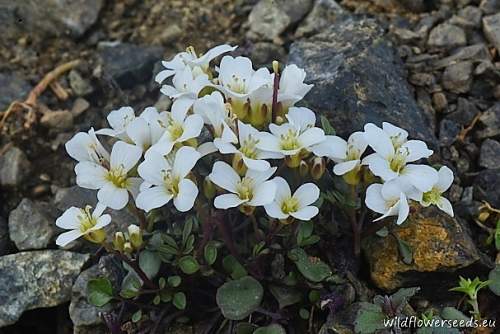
471, 289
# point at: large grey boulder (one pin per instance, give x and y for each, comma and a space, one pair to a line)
31, 280
358, 78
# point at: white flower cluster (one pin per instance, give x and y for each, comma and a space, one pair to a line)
253, 123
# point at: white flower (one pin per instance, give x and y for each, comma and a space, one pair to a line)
86, 147
178, 127
113, 181
81, 222
434, 196
145, 130
186, 86
241, 84
168, 180
118, 120
297, 205
198, 64
252, 157
215, 114
393, 152
389, 200
251, 190
290, 138
292, 87
347, 154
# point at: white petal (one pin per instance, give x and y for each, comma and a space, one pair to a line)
268, 142
394, 131
118, 119
98, 210
445, 205
90, 175
134, 185
185, 159
138, 130
391, 190
224, 176
306, 194
311, 137
65, 238
263, 194
259, 176
163, 146
445, 179
332, 147
152, 198
303, 118
282, 189
102, 221
192, 128
77, 147
259, 165
224, 147
306, 213
112, 196
125, 155
153, 167
213, 53
379, 141
69, 219
163, 75
374, 200
246, 131
227, 201
274, 210
344, 167
206, 149
417, 150
380, 167
357, 141
403, 209
184, 200
423, 177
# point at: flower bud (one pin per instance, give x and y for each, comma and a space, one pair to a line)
119, 241
279, 120
318, 168
209, 189
483, 216
303, 169
276, 66
368, 177
293, 161
239, 165
135, 236
352, 177
193, 142
240, 109
127, 248
96, 236
247, 209
260, 116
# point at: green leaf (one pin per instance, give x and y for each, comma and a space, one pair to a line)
233, 267
136, 317
402, 296
311, 268
244, 328
285, 296
369, 319
174, 281
188, 265
186, 231
494, 277
271, 329
304, 232
150, 263
210, 253
314, 296
99, 291
497, 236
130, 285
451, 313
179, 300
405, 251
239, 298
304, 314
327, 126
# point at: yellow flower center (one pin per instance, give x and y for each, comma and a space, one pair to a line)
289, 141
237, 85
290, 205
352, 153
86, 220
397, 140
175, 129
245, 189
398, 161
171, 182
117, 176
248, 147
432, 196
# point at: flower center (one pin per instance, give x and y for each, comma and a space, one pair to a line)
171, 182
117, 176
432, 196
290, 205
87, 221
398, 161
352, 153
289, 141
245, 189
397, 140
175, 129
248, 147
237, 85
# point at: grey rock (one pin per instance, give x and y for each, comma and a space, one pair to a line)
57, 119
468, 17
128, 64
476, 53
448, 132
4, 237
14, 167
32, 225
79, 106
465, 112
80, 311
491, 29
49, 17
490, 6
490, 154
13, 86
486, 185
270, 18
457, 78
97, 329
36, 279
170, 34
78, 84
263, 53
323, 14
447, 36
490, 121
356, 83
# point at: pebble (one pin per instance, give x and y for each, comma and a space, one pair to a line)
490, 121
496, 92
491, 29
14, 167
4, 236
170, 35
78, 84
439, 101
457, 78
490, 154
58, 120
14, 87
447, 35
79, 106
448, 132
490, 6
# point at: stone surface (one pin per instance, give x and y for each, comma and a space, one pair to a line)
490, 121
490, 154
14, 167
491, 29
128, 64
58, 120
13, 86
486, 185
270, 18
439, 243
457, 78
78, 84
48, 17
476, 53
323, 14
356, 83
30, 280
490, 6
263, 53
467, 18
446, 35
4, 236
32, 225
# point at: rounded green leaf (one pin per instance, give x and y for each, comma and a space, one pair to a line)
494, 277
188, 265
210, 253
271, 329
239, 298
174, 281
99, 291
150, 263
311, 268
179, 300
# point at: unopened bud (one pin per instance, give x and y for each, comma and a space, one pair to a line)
135, 236
483, 216
247, 209
259, 116
276, 66
303, 169
318, 168
193, 142
368, 177
239, 165
279, 120
293, 161
209, 189
127, 248
96, 236
119, 241
352, 177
